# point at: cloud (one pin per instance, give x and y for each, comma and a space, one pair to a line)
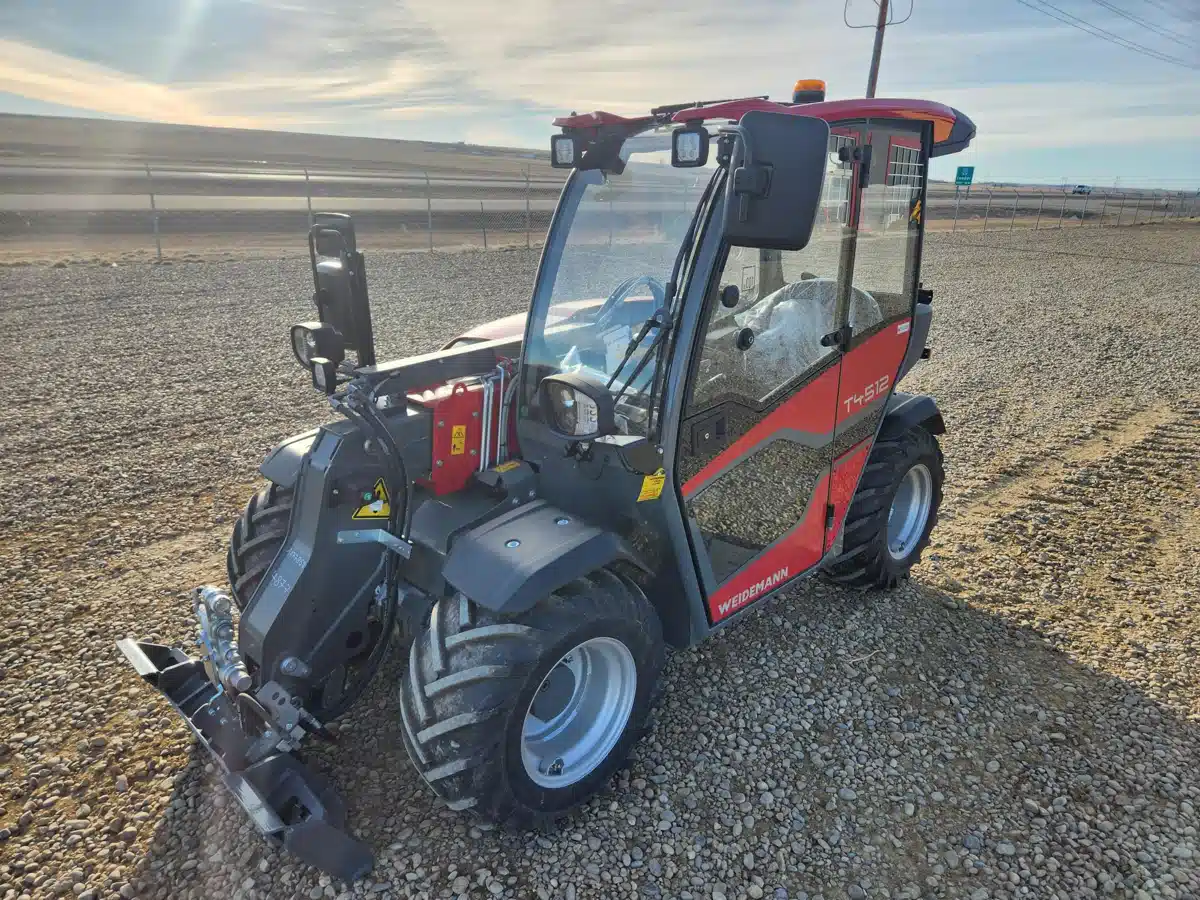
54, 78
478, 70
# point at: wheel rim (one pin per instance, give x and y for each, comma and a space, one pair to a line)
910, 511
579, 712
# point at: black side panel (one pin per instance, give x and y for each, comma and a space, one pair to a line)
905, 411
282, 464
922, 319
508, 564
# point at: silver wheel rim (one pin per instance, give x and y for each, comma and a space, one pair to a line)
579, 712
909, 512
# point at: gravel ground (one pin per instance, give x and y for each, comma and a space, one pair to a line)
1020, 720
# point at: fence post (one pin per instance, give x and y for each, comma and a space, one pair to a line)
1120, 211
308, 197
483, 224
1166, 204
987, 209
954, 227
429, 208
154, 213
1137, 208
1063, 211
1012, 220
1103, 207
1083, 213
1041, 206
527, 216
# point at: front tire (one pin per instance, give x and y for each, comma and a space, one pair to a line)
892, 513
522, 718
256, 539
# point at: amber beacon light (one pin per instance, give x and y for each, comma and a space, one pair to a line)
808, 90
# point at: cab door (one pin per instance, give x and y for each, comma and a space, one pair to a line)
755, 448
887, 248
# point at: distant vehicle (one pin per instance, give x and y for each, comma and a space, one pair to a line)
1081, 189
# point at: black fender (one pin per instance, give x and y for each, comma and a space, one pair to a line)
905, 411
283, 463
511, 562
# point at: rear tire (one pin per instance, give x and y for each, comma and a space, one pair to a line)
901, 486
473, 676
257, 537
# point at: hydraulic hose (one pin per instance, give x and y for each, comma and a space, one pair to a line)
396, 483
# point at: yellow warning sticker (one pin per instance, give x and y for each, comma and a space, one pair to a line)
458, 440
508, 466
652, 486
376, 503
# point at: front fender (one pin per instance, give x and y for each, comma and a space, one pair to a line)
282, 465
508, 564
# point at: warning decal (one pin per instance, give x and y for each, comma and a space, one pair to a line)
376, 505
458, 440
652, 486
508, 466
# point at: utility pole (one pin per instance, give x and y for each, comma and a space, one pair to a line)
880, 25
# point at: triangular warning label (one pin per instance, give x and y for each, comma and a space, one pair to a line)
376, 505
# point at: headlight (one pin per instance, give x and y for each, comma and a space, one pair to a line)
577, 407
317, 339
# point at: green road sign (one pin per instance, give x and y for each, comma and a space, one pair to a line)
964, 175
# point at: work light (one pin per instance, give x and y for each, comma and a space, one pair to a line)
577, 407
689, 148
316, 339
564, 151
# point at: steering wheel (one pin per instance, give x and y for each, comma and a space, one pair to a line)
625, 288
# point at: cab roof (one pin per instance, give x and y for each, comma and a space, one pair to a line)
952, 130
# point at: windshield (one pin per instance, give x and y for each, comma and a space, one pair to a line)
616, 246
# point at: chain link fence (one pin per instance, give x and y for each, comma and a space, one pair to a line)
170, 210
1006, 209
178, 209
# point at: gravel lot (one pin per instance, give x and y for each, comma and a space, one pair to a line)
1021, 720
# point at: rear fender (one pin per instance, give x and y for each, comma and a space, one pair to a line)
511, 562
905, 411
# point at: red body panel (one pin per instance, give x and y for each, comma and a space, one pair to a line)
457, 434
867, 375
847, 469
943, 117
869, 370
599, 118
809, 410
798, 550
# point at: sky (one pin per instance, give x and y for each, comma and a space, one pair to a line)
1051, 102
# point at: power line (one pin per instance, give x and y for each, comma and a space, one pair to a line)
1170, 10
1138, 20
1096, 31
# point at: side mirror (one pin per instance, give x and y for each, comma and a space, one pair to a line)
689, 147
340, 279
776, 173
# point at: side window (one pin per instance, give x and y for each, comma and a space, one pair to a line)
787, 303
889, 226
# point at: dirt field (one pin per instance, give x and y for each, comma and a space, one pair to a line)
1020, 720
